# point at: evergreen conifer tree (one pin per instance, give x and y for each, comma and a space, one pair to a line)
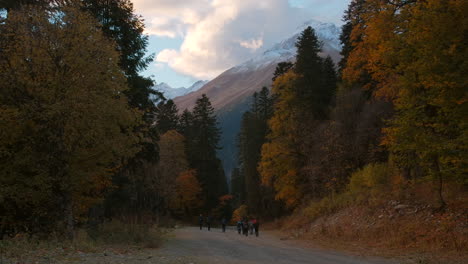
251, 138
282, 68
166, 116
202, 145
312, 95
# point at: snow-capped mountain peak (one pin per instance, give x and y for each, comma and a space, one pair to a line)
171, 93
327, 33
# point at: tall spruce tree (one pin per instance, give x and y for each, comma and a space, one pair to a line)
250, 140
329, 81
352, 18
166, 116
282, 68
307, 58
237, 189
302, 97
202, 144
313, 90
120, 23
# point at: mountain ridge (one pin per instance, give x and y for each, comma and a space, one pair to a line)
238, 82
171, 93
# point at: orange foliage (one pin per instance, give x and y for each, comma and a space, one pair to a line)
375, 53
188, 190
279, 163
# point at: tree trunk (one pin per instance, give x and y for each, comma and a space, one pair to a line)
440, 182
69, 223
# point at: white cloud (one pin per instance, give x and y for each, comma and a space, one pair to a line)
218, 34
253, 44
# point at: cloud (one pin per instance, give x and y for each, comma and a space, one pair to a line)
167, 55
253, 44
218, 34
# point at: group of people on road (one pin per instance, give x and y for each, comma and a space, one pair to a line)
207, 221
244, 225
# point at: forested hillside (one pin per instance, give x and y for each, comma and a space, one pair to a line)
385, 130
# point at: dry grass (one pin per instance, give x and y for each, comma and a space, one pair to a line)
394, 222
111, 237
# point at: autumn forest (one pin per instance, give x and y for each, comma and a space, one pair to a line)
85, 141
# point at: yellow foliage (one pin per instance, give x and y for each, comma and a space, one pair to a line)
280, 162
239, 213
372, 176
172, 163
64, 119
188, 194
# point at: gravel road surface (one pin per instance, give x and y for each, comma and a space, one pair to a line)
206, 247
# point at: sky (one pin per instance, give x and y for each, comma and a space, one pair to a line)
199, 39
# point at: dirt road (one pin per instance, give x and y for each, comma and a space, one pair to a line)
189, 245
206, 247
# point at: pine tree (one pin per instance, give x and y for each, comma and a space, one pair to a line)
352, 19
237, 187
312, 93
202, 145
282, 68
120, 23
206, 128
251, 138
329, 82
186, 123
265, 107
166, 116
302, 97
307, 58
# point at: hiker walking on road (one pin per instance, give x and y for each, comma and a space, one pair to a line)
200, 221
208, 222
245, 227
256, 225
239, 226
223, 224
251, 227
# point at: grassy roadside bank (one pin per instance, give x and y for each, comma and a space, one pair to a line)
405, 225
113, 241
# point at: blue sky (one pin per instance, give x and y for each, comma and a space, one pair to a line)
199, 39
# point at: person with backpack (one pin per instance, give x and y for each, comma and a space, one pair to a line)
223, 224
256, 225
251, 227
200, 221
239, 226
245, 227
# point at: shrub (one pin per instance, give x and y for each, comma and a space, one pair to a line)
118, 233
365, 185
368, 183
327, 205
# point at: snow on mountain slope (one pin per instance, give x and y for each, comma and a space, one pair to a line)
240, 81
285, 50
171, 93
